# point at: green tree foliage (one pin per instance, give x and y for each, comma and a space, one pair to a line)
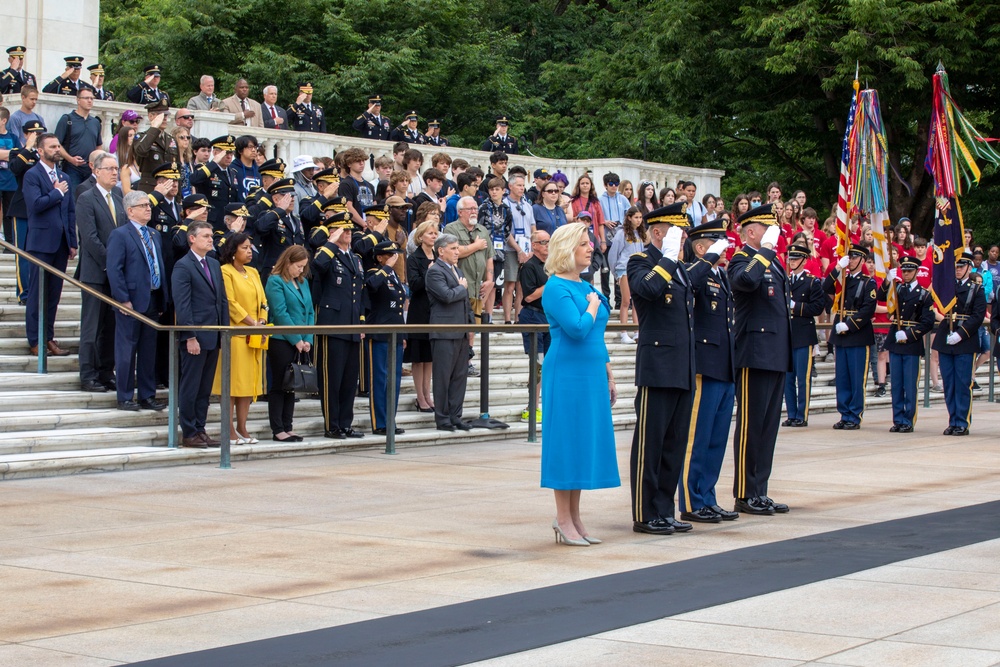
759, 88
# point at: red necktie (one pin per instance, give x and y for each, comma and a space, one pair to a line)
274, 116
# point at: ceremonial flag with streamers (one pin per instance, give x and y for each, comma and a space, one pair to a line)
953, 145
844, 197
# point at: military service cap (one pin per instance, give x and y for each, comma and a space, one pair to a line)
798, 252
763, 215
170, 171
339, 221
375, 99
158, 106
965, 260
237, 209
714, 230
151, 69
17, 51
281, 186
305, 87
675, 214
858, 251
335, 204
331, 175
275, 168
909, 264
386, 248
33, 126
225, 143
412, 115
195, 201
96, 70
434, 123
76, 62
380, 211
502, 120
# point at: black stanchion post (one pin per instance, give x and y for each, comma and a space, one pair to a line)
927, 371
993, 344
390, 398
224, 401
484, 376
172, 375
43, 359
532, 385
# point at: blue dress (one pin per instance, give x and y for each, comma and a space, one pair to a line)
578, 437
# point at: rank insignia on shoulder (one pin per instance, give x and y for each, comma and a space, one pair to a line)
873, 294
638, 254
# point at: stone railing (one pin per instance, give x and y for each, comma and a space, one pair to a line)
288, 144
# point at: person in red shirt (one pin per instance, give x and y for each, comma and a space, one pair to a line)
733, 236
809, 225
920, 251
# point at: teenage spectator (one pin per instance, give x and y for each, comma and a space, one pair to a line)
613, 206
129, 119
274, 116
754, 198
137, 279
720, 205
433, 136
371, 124
199, 297
773, 192
433, 182
809, 225
695, 210
99, 211
383, 170
926, 259
495, 216
708, 201
646, 200
79, 134
29, 98
413, 162
735, 242
185, 158
303, 170
290, 304
992, 263
578, 450
418, 349
358, 192
500, 140
51, 237
398, 150
247, 307
68, 83
153, 147
128, 169
475, 253
407, 131
626, 189
399, 186
449, 294
206, 99
548, 215
667, 196
213, 180
523, 219
97, 83
14, 78
243, 170
741, 204
442, 162
246, 112
148, 90
498, 169
628, 240
467, 187
585, 198
303, 115
532, 280
541, 177
800, 197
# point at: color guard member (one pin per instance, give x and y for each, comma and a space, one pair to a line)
808, 301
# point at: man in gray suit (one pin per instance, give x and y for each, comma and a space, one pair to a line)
449, 296
99, 211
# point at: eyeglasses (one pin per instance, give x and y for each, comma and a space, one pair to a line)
545, 242
183, 137
549, 192
185, 117
107, 169
141, 206
613, 184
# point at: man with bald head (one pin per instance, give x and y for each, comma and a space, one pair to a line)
245, 111
89, 183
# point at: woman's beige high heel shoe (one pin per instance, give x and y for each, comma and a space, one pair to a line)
561, 537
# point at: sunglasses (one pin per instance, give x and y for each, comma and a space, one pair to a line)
613, 184
184, 117
549, 192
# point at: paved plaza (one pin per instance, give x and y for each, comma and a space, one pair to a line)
365, 548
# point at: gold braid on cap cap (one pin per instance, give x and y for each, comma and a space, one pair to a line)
763, 218
675, 219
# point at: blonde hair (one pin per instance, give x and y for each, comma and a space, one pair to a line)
562, 248
423, 228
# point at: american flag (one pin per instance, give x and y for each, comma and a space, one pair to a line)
844, 195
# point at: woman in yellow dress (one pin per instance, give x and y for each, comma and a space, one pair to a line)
247, 307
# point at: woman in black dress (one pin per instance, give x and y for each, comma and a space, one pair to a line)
418, 346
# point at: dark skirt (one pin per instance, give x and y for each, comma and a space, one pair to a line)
418, 351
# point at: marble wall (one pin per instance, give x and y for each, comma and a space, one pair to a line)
51, 29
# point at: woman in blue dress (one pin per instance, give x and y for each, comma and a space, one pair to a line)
578, 389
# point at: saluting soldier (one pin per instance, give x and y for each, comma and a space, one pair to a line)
195, 209
500, 140
408, 131
163, 198
914, 317
154, 146
715, 376
433, 136
852, 335
68, 83
334, 210
303, 115
214, 180
663, 298
236, 222
763, 357
21, 160
957, 343
327, 182
386, 295
365, 240
275, 227
808, 300
97, 83
148, 90
14, 77
340, 301
371, 124
258, 201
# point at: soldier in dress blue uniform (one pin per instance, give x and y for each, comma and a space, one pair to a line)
21, 160
408, 131
364, 240
258, 201
500, 140
69, 82
303, 115
194, 208
14, 77
715, 379
663, 297
371, 124
148, 90
763, 357
808, 300
166, 213
334, 211
913, 318
386, 295
852, 335
327, 184
339, 291
214, 180
957, 343
275, 228
97, 83
433, 136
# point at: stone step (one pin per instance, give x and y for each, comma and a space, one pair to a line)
26, 442
66, 312
63, 329
18, 346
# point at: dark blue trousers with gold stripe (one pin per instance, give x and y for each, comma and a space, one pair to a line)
956, 376
337, 362
852, 381
905, 370
661, 431
758, 413
21, 239
798, 383
708, 437
377, 356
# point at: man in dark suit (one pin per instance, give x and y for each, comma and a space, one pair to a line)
273, 115
448, 291
138, 280
51, 237
199, 300
99, 211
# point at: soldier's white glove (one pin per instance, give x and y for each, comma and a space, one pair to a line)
954, 338
771, 235
843, 262
671, 246
841, 327
719, 247
891, 275
900, 336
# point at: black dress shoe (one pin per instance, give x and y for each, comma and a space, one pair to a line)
894, 428
446, 427
801, 423
725, 514
382, 431
779, 508
130, 406
949, 431
702, 515
840, 425
462, 426
110, 385
851, 426
351, 433
335, 434
906, 429
654, 527
152, 404
94, 387
753, 506
960, 431
788, 422
363, 394
678, 526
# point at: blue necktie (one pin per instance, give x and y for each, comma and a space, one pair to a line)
154, 270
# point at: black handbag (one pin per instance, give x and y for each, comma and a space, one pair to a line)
300, 376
